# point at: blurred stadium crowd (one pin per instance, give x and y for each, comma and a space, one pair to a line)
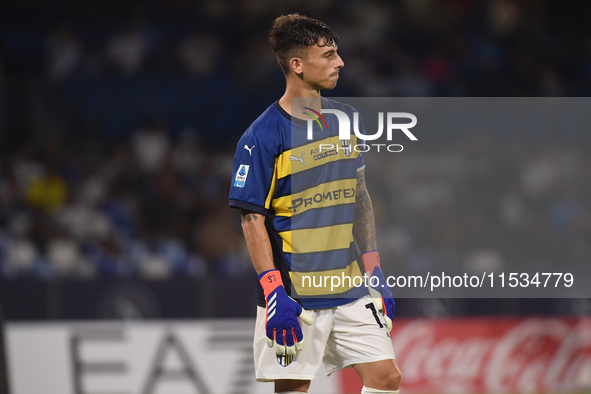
485, 205
156, 95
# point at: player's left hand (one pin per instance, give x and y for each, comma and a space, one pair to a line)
379, 290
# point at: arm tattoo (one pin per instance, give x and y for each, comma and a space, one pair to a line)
364, 227
247, 216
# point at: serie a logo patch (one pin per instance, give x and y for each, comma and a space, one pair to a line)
241, 175
284, 360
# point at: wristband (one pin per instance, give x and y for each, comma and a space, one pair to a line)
370, 260
270, 280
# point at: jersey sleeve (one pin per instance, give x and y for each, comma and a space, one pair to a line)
360, 162
252, 175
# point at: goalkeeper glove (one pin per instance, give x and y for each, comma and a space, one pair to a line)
380, 293
282, 327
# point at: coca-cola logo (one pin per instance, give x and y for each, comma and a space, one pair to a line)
494, 355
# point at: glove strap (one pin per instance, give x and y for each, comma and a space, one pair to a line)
370, 260
270, 280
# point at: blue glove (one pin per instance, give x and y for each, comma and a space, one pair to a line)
282, 327
381, 294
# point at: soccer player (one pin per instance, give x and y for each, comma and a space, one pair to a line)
307, 216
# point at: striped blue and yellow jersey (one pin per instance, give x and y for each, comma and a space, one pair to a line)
307, 195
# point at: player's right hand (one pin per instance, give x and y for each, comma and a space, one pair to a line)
282, 326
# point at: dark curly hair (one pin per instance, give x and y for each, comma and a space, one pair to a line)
292, 34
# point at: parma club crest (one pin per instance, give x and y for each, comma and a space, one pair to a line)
346, 145
284, 360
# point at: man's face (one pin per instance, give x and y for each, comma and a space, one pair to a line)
321, 67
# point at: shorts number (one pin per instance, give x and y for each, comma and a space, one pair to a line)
375, 313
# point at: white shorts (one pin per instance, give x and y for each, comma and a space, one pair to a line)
340, 337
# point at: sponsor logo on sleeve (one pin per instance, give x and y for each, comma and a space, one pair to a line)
249, 149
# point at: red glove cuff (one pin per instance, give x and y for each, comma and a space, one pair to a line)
270, 280
370, 260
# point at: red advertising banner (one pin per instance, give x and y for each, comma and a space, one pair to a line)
489, 355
